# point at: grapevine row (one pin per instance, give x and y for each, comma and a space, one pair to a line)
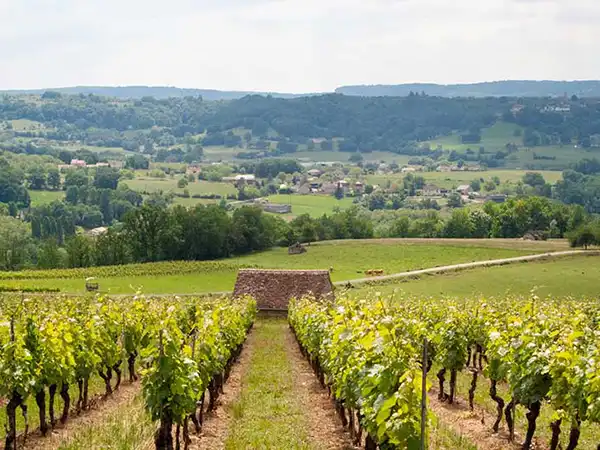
368, 351
50, 344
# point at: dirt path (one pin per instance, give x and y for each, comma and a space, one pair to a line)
217, 424
471, 265
85, 421
325, 430
474, 426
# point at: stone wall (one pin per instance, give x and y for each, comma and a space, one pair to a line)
273, 289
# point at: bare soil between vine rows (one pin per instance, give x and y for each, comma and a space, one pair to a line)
476, 426
100, 407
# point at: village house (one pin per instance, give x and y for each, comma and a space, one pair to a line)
496, 198
431, 190
315, 173
359, 187
463, 189
242, 180
313, 183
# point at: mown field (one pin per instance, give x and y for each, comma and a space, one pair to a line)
313, 205
44, 197
149, 184
567, 277
349, 260
450, 180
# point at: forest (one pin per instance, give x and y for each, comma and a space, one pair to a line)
365, 124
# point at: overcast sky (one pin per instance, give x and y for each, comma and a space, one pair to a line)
294, 45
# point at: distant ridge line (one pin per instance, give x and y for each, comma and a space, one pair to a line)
503, 88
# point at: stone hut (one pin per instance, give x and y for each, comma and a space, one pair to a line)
273, 289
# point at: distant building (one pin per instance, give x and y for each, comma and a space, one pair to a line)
516, 109
359, 187
431, 190
463, 189
277, 208
329, 188
242, 180
315, 173
408, 170
344, 185
95, 232
496, 198
78, 163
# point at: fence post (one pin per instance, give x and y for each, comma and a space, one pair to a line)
424, 395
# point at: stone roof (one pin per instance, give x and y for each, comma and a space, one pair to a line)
273, 289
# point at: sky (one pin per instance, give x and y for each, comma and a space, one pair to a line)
294, 45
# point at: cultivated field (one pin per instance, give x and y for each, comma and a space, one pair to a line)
349, 259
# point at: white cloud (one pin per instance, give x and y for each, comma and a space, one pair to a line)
294, 45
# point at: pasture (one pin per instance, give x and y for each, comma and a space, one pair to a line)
566, 277
313, 205
44, 197
450, 180
494, 138
349, 259
168, 184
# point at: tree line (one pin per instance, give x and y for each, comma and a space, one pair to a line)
153, 233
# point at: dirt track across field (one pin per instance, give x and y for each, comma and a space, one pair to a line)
465, 266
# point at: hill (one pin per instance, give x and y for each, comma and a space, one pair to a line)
158, 92
509, 88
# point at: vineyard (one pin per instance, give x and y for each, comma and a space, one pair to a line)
532, 365
181, 350
540, 354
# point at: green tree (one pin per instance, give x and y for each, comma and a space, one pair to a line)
50, 255
459, 225
151, 233
76, 177
106, 178
356, 158
79, 251
37, 178
15, 243
53, 179
585, 236
305, 228
455, 200
476, 185
534, 179
112, 248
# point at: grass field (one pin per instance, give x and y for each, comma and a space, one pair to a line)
449, 180
269, 413
43, 197
493, 138
313, 205
333, 156
349, 260
572, 276
27, 125
149, 184
496, 137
